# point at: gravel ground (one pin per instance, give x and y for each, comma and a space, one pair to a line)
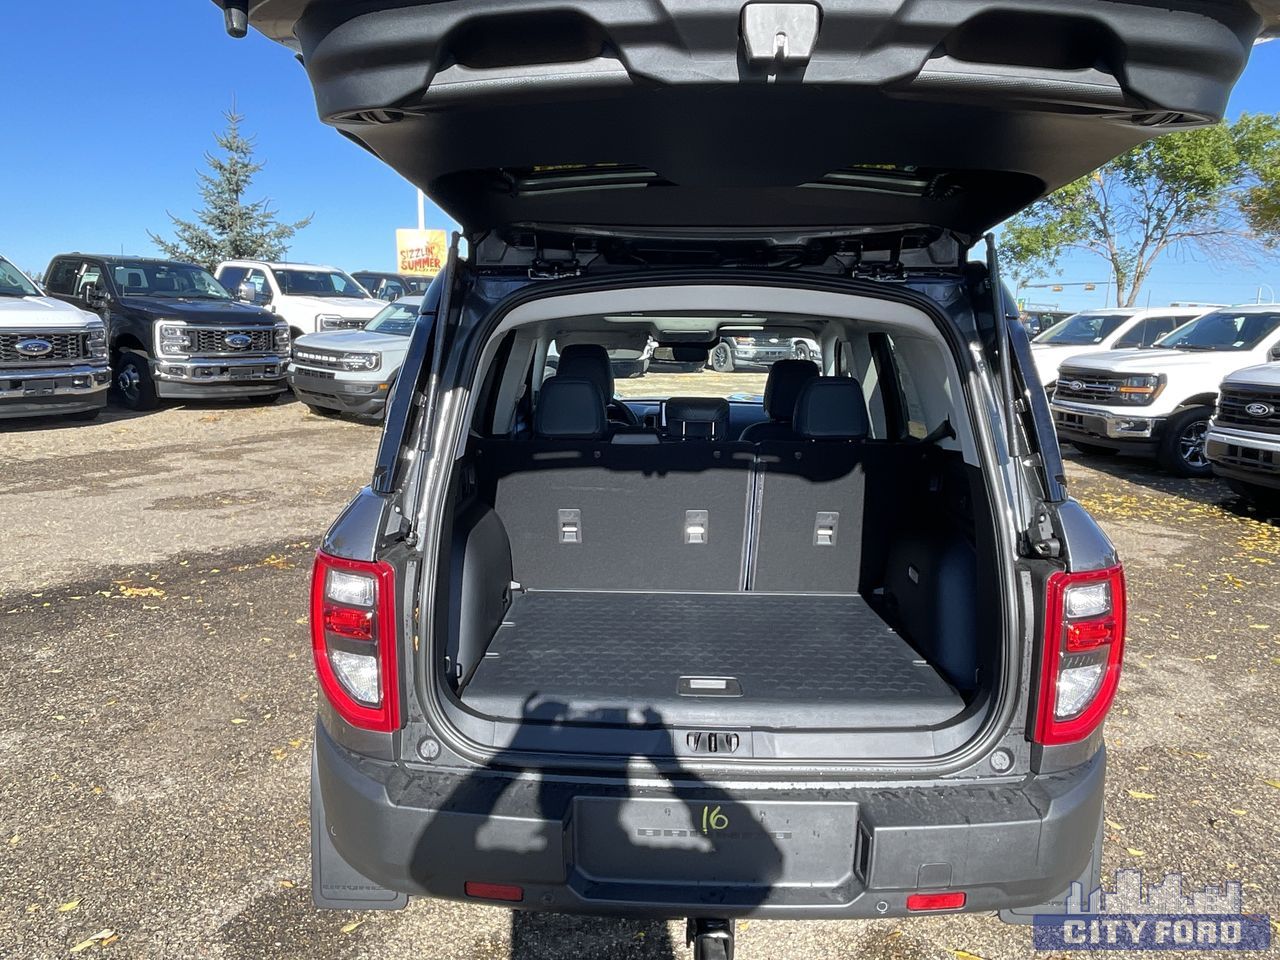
155, 732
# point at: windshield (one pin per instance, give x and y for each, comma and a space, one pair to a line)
1083, 329
13, 283
141, 278
397, 320
1223, 330
318, 283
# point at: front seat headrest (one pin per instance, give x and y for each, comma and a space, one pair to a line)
588, 361
697, 418
570, 409
831, 408
782, 389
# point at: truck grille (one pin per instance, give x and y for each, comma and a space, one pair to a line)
66, 346
1234, 404
1087, 387
213, 340
318, 358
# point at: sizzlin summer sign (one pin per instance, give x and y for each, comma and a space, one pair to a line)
421, 253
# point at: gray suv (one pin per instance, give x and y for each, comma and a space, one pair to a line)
602, 653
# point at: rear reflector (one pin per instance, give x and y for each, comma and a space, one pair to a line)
936, 901
1080, 659
494, 891
353, 639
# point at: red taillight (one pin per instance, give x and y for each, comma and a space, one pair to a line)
1083, 647
494, 891
936, 901
353, 639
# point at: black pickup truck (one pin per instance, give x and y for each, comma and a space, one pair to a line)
174, 332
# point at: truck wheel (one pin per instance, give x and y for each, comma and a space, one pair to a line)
722, 358
133, 381
1182, 444
1093, 450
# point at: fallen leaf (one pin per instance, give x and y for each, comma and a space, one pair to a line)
1240, 813
1139, 795
68, 906
100, 937
1135, 852
238, 720
287, 884
965, 955
1115, 826
352, 926
1272, 783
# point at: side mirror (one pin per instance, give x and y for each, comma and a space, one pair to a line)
248, 293
1274, 356
93, 295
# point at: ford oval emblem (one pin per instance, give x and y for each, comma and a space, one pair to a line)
1253, 409
1076, 385
34, 347
239, 341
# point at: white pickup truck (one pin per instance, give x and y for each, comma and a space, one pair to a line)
53, 355
1112, 328
1159, 401
309, 297
1244, 438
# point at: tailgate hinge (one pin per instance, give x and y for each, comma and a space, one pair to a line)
1041, 538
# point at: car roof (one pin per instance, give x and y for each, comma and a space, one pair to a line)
125, 258
281, 265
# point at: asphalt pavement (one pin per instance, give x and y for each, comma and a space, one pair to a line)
158, 708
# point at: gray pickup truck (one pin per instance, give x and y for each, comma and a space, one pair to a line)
632, 655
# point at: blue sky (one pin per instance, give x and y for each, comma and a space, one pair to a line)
113, 108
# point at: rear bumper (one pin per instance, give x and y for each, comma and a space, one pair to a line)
1121, 431
34, 392
364, 398
213, 377
1244, 456
618, 848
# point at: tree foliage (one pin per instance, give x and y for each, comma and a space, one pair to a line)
228, 227
1213, 191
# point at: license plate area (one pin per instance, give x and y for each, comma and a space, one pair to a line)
678, 843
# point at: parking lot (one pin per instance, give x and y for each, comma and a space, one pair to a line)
155, 733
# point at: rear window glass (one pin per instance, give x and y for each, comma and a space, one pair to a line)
735, 368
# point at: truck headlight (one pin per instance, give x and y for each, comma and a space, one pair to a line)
282, 341
97, 343
328, 321
362, 361
1140, 390
171, 339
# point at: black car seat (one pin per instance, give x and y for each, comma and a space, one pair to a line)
781, 390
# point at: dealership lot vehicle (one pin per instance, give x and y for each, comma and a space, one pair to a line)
307, 297
1095, 331
53, 356
391, 286
1158, 401
1243, 442
565, 659
758, 349
174, 332
351, 371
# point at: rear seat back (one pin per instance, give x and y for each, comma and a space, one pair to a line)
811, 495
582, 513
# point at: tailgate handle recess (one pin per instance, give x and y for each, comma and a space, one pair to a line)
781, 32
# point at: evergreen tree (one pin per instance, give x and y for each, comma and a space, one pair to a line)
229, 228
